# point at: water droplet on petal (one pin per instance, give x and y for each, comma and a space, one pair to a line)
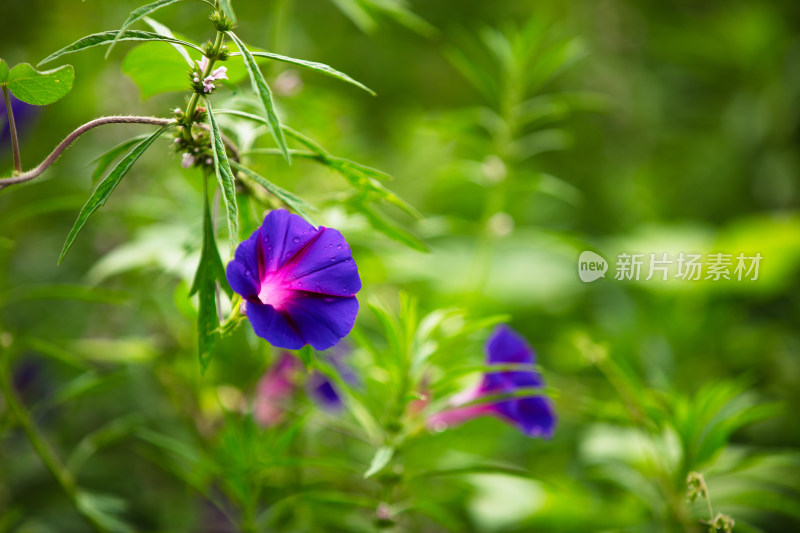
296, 240
339, 247
329, 300
333, 258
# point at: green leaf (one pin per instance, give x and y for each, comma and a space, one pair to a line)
104, 190
391, 230
104, 160
103, 510
263, 91
488, 468
306, 355
106, 37
205, 285
40, 88
3, 71
155, 70
166, 32
222, 169
313, 65
105, 435
380, 460
294, 202
63, 292
137, 14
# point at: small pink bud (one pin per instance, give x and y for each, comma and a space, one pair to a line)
187, 160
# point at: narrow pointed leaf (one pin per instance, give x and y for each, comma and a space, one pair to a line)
264, 93
104, 160
222, 169
294, 202
137, 14
390, 229
380, 460
205, 285
104, 190
107, 37
322, 68
40, 88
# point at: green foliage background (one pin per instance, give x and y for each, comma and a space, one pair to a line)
606, 125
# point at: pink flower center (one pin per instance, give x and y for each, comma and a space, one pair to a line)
273, 293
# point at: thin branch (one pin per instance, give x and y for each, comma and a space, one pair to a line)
69, 139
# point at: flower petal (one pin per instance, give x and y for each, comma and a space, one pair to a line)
282, 235
506, 346
321, 320
534, 416
243, 272
325, 266
324, 391
274, 326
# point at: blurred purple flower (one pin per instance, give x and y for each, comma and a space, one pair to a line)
533, 415
24, 115
277, 387
299, 282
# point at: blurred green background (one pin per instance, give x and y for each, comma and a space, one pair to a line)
524, 132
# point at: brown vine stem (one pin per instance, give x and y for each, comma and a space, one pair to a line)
69, 139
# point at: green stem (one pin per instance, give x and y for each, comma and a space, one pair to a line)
192, 106
42, 447
13, 127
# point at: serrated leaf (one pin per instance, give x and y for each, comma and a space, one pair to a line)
205, 285
264, 93
106, 37
379, 460
3, 71
104, 160
222, 169
139, 13
104, 190
322, 68
40, 88
294, 202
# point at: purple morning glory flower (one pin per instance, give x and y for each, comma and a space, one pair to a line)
299, 282
533, 415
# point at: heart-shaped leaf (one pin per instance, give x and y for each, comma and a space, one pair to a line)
40, 88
